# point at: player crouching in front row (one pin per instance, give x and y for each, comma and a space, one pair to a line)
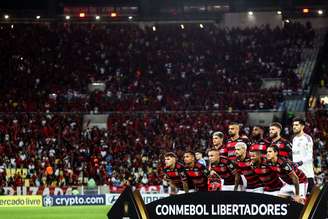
221, 166
296, 181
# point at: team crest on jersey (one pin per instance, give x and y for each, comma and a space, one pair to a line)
287, 167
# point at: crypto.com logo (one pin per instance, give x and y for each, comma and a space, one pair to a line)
48, 201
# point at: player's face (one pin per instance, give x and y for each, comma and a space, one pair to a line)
213, 156
255, 156
256, 132
270, 154
169, 161
240, 151
188, 158
297, 127
233, 130
198, 155
274, 131
216, 140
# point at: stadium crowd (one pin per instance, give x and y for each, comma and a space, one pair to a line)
49, 66
56, 151
46, 69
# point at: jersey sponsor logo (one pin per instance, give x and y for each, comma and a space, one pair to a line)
172, 174
287, 168
193, 173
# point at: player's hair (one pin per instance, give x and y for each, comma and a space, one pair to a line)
259, 126
274, 148
242, 145
170, 154
276, 124
218, 133
234, 123
190, 152
212, 149
301, 121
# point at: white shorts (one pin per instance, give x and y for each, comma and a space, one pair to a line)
244, 185
181, 191
240, 187
290, 189
256, 190
274, 193
228, 187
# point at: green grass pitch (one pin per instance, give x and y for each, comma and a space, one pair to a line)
76, 212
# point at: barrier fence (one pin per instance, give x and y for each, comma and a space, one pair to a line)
21, 201
68, 200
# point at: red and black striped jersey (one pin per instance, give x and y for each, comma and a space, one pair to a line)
269, 178
244, 167
176, 175
198, 176
284, 168
214, 183
259, 145
284, 147
230, 146
225, 169
223, 151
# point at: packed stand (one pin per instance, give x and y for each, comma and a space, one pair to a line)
47, 67
319, 131
55, 151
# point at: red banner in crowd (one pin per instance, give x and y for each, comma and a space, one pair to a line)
52, 190
42, 190
141, 188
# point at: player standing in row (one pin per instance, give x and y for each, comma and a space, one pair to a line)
233, 132
244, 167
303, 151
217, 140
284, 146
199, 157
257, 139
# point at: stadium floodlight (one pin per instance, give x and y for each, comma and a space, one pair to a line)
182, 26
154, 28
279, 12
6, 16
306, 10
97, 17
130, 17
38, 17
250, 13
201, 26
67, 17
320, 12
